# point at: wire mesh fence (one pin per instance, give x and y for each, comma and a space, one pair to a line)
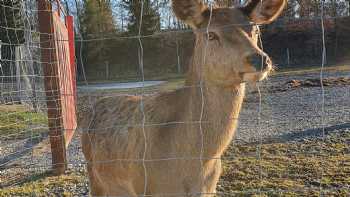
137, 87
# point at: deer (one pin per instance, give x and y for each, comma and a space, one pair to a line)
171, 143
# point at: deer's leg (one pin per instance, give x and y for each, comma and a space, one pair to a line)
96, 187
123, 191
105, 184
119, 188
211, 179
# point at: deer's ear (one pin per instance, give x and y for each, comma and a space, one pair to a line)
189, 11
264, 11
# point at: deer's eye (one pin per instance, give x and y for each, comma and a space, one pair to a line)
212, 36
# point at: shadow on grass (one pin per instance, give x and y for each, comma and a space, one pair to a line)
25, 149
314, 132
296, 135
29, 179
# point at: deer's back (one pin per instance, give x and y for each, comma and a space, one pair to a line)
106, 128
115, 125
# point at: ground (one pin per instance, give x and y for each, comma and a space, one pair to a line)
294, 146
285, 169
16, 118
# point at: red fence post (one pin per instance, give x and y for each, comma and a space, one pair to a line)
70, 29
52, 85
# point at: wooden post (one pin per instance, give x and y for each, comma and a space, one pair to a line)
178, 56
0, 54
107, 69
18, 58
288, 57
52, 87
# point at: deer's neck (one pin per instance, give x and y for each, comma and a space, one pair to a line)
217, 110
216, 107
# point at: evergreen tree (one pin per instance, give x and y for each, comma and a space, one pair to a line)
97, 18
96, 22
150, 17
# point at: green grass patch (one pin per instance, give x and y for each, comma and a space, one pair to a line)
170, 85
175, 76
17, 121
177, 82
310, 69
289, 169
47, 185
133, 78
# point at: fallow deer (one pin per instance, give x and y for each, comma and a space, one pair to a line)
171, 144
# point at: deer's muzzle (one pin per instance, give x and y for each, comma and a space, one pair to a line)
262, 64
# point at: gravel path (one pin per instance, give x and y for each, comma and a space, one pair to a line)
295, 111
285, 116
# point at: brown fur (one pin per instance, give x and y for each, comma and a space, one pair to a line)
175, 125
264, 12
189, 11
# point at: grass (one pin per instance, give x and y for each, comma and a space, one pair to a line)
174, 76
285, 169
311, 69
17, 121
290, 169
131, 78
175, 82
169, 85
46, 185
178, 81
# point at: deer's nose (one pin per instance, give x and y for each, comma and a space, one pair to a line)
257, 61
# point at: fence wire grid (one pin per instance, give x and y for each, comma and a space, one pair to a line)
293, 132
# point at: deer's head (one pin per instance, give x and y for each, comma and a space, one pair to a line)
226, 38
